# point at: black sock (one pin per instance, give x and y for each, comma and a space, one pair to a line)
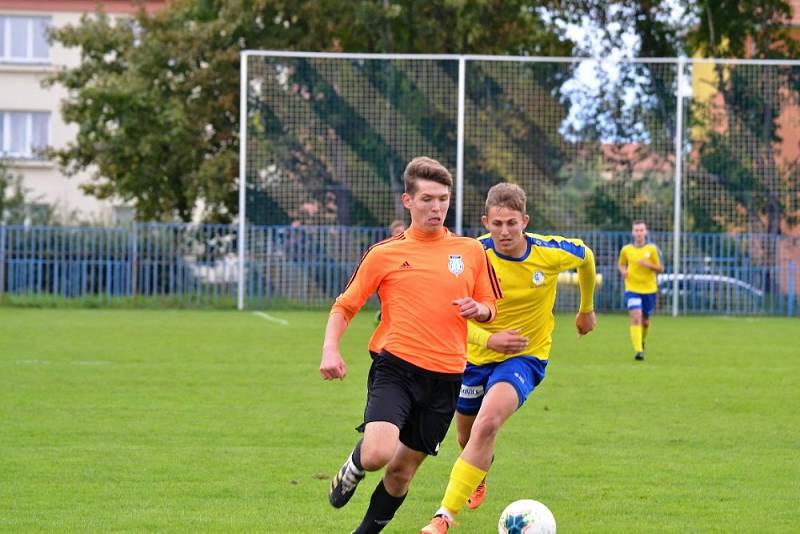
356, 455
382, 507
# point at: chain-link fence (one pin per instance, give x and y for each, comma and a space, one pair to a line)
185, 265
595, 144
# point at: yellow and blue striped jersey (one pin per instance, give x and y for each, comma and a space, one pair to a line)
640, 279
529, 286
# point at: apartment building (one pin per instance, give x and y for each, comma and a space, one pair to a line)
30, 117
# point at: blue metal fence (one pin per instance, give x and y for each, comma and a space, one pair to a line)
196, 265
187, 264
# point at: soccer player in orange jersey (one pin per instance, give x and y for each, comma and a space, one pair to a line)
429, 282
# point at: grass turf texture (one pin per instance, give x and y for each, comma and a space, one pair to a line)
197, 421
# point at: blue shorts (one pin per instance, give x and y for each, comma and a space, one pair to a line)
641, 301
522, 372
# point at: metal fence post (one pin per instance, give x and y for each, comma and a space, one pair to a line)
242, 241
134, 253
676, 225
2, 261
790, 290
459, 222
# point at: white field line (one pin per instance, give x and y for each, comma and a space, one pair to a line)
76, 362
269, 317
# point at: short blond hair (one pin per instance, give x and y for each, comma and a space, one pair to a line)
395, 225
506, 195
424, 168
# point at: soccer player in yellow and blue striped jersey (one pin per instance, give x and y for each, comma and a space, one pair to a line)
506, 359
639, 264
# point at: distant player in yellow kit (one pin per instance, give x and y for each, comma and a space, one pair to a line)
506, 359
639, 264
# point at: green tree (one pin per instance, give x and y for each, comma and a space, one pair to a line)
623, 125
12, 196
739, 181
16, 206
740, 154
156, 97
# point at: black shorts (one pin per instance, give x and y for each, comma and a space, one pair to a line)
419, 402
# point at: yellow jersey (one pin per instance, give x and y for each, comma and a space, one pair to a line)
528, 285
640, 279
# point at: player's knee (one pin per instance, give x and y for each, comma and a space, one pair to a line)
375, 456
398, 478
486, 428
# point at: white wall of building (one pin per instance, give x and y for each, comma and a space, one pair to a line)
21, 90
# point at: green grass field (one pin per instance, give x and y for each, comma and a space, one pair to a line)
193, 421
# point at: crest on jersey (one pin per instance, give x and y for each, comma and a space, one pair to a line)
538, 278
455, 264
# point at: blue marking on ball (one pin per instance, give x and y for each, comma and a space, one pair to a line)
516, 523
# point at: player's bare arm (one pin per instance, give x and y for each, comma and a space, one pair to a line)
507, 342
333, 365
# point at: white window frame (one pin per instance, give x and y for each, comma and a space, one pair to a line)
5, 55
28, 152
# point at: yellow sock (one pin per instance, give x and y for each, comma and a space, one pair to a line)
636, 337
644, 332
464, 478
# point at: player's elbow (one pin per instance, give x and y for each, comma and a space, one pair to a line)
588, 269
346, 312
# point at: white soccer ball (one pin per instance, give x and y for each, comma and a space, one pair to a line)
526, 517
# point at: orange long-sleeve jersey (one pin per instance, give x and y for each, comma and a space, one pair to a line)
417, 277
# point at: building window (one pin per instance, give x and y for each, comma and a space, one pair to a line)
23, 134
124, 215
24, 39
38, 214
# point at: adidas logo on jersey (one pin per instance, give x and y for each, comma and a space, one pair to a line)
405, 265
